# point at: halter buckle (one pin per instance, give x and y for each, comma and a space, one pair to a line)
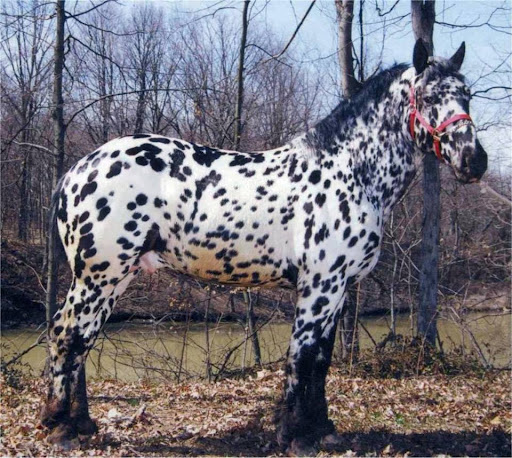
436, 132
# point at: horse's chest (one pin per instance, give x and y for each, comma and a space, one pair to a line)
346, 237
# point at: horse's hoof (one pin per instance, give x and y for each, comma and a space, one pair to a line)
67, 445
86, 426
64, 438
52, 415
331, 440
283, 438
281, 442
301, 447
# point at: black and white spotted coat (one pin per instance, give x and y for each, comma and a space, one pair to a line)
308, 215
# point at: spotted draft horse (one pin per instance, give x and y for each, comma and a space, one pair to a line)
307, 216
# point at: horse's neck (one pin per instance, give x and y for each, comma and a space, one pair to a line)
382, 150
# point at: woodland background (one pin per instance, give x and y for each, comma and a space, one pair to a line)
75, 74
221, 74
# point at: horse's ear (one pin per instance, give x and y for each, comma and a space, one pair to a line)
458, 57
420, 56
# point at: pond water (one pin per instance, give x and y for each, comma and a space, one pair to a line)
130, 351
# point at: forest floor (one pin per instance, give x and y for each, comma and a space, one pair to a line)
418, 416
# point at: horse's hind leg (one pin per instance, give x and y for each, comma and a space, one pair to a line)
72, 334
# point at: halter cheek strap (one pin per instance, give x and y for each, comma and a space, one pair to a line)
436, 132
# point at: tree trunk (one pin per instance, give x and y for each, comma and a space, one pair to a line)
207, 337
348, 328
141, 105
240, 77
344, 17
59, 130
423, 17
105, 101
361, 41
350, 85
25, 188
423, 13
251, 324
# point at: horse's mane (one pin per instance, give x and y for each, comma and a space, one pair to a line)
373, 90
439, 68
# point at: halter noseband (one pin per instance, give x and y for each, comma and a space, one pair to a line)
436, 132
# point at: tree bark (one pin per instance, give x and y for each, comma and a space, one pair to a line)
344, 17
251, 323
59, 131
423, 17
423, 14
141, 105
25, 188
348, 330
240, 77
349, 340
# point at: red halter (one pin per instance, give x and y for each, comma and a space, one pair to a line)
436, 132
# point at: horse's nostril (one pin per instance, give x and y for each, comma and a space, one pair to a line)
478, 165
465, 163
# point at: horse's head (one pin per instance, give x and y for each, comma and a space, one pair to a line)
439, 119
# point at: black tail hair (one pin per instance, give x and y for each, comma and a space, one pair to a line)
58, 248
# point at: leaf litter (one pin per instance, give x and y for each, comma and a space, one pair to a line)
419, 416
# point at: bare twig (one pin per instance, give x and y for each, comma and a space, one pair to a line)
294, 34
487, 188
39, 341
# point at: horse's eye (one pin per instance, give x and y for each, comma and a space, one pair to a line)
466, 90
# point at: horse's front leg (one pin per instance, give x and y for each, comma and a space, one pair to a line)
318, 403
58, 410
303, 413
79, 408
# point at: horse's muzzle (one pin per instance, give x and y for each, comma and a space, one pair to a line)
473, 166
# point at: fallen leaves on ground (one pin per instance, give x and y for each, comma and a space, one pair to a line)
421, 416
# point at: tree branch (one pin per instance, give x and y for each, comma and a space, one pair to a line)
486, 188
38, 342
293, 35
33, 145
99, 5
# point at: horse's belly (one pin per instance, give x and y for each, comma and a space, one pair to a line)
216, 265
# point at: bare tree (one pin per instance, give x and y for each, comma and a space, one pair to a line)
24, 84
96, 68
142, 50
423, 18
240, 77
59, 132
350, 85
345, 16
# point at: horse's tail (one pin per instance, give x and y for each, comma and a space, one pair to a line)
57, 247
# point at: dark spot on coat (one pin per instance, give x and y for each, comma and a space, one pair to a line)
87, 189
315, 176
321, 302
141, 199
338, 263
103, 213
130, 226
